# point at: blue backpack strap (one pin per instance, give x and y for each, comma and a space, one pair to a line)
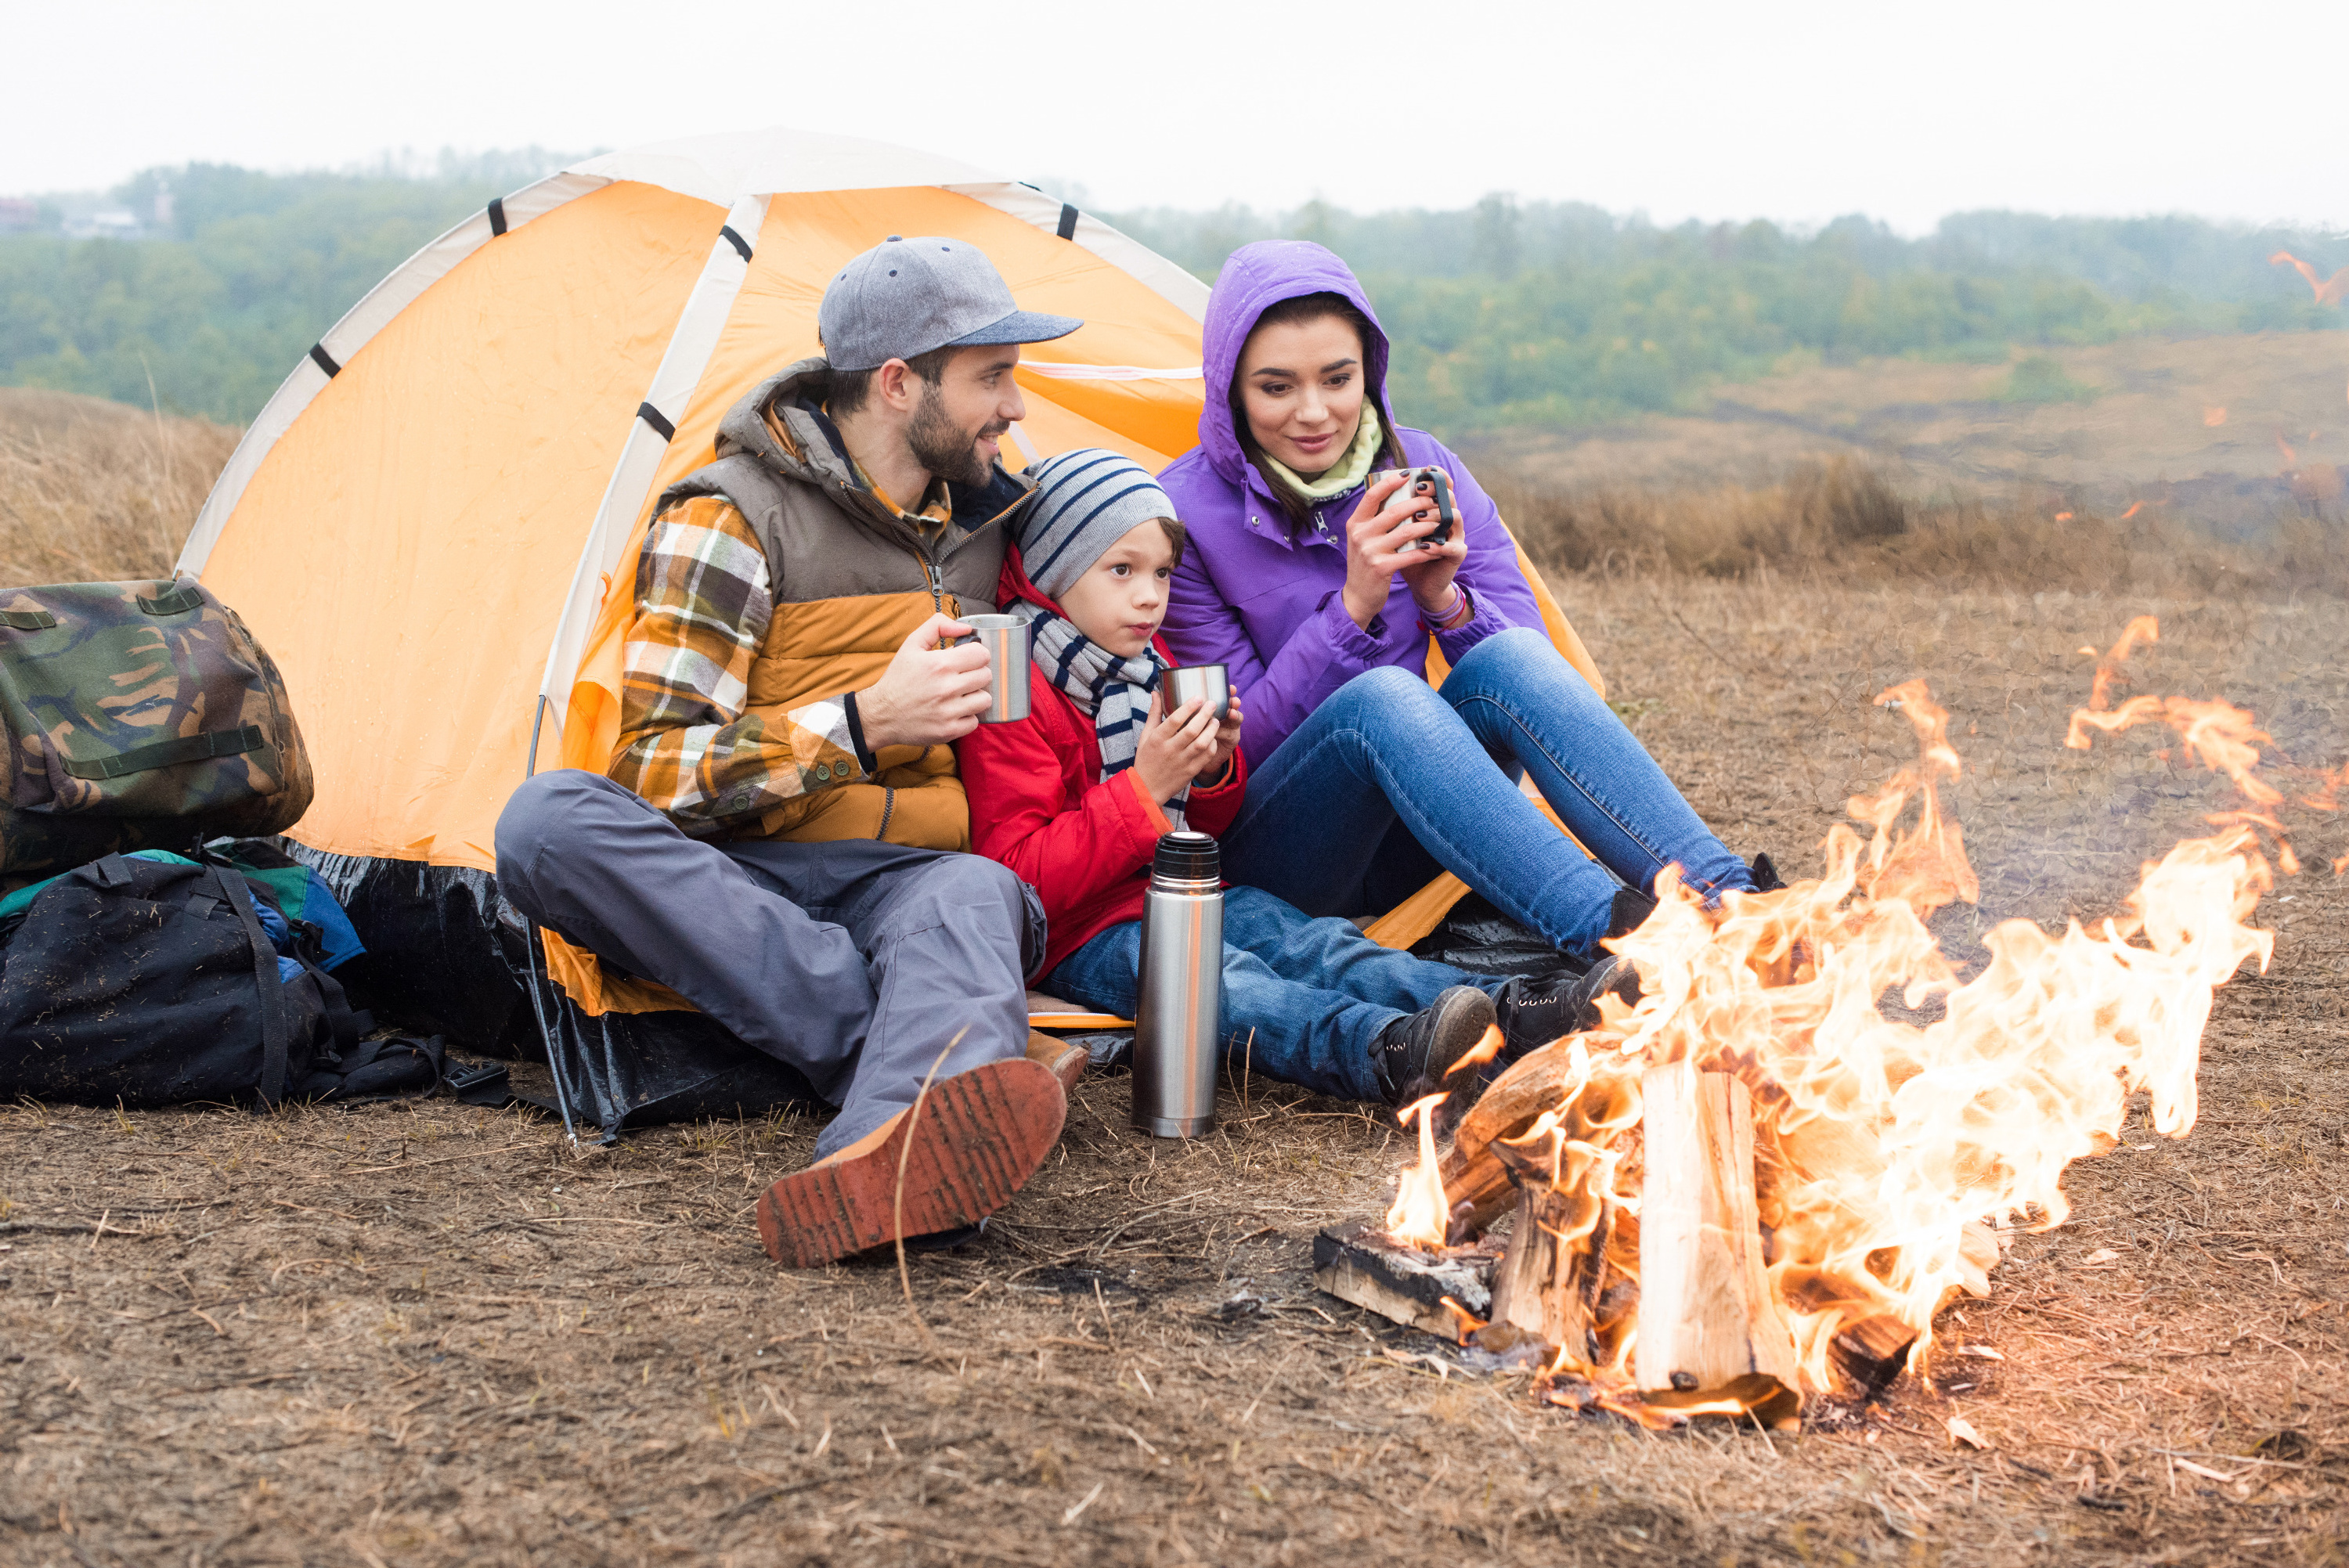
275, 1030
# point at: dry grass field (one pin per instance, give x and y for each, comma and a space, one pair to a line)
2193, 424
429, 1334
92, 491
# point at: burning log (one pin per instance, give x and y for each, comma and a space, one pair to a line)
1475, 1178
1706, 1314
1405, 1283
1872, 1351
1547, 1284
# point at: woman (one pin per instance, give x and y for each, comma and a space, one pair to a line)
1309, 578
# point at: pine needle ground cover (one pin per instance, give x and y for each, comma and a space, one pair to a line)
434, 1334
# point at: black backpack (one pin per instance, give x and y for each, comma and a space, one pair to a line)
156, 981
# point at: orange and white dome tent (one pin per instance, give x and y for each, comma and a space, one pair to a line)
429, 525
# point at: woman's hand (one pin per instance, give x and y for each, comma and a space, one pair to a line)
1227, 740
1380, 542
1174, 747
1429, 572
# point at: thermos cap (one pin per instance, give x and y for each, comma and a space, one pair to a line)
1187, 856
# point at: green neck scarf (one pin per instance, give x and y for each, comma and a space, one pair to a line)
1345, 473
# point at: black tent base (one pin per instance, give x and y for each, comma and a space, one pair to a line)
447, 955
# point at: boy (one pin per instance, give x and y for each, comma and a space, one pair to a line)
1073, 799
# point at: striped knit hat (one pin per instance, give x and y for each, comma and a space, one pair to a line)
1086, 501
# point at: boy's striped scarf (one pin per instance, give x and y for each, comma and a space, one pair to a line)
1114, 692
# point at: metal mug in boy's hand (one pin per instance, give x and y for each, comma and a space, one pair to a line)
1437, 486
1005, 638
1211, 684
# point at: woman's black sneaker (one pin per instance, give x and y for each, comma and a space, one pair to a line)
1413, 1056
1765, 875
1630, 911
1533, 1011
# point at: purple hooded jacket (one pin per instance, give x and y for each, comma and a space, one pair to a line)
1250, 597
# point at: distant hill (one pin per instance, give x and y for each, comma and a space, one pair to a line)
1548, 315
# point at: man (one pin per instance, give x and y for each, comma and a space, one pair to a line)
776, 839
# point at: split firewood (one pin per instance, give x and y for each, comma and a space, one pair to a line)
1362, 1264
1872, 1351
1869, 1346
1706, 1313
1546, 1286
1473, 1176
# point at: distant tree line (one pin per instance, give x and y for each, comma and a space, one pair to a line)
1501, 313
1562, 313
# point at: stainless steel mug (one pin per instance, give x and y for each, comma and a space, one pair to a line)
1005, 638
1176, 1018
1193, 682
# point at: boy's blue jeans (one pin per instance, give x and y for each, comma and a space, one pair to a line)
1315, 992
1390, 781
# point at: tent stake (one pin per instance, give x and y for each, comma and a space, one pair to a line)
538, 1003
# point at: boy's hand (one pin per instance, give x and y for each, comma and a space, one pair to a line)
1174, 746
1227, 740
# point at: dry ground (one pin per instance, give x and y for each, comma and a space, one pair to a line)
435, 1335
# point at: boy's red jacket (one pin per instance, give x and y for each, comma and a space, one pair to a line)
1040, 805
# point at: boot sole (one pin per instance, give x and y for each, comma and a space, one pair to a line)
978, 1136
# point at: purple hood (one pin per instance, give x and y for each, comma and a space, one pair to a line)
1259, 594
1256, 278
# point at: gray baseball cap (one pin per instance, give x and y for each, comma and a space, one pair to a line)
905, 297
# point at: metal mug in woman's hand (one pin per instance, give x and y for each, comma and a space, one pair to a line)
1211, 684
1436, 486
1005, 638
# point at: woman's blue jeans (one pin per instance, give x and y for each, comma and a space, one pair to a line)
1391, 781
1303, 998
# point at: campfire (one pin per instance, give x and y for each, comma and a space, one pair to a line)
1758, 1186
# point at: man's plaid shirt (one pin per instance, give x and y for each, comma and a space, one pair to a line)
704, 600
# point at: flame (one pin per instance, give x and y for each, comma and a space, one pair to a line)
2328, 291
2214, 416
1422, 1214
2144, 629
2135, 507
1464, 1322
2063, 517
1477, 1055
1883, 1142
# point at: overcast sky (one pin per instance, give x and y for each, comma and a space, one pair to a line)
1798, 112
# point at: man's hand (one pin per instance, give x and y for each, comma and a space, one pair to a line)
929, 695
1227, 740
1174, 747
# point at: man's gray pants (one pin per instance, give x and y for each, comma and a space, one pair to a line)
855, 961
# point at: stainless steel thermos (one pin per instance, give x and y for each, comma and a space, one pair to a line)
1176, 1019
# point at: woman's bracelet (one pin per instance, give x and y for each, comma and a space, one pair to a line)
1463, 611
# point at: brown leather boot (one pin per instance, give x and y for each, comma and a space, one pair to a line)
978, 1138
1067, 1062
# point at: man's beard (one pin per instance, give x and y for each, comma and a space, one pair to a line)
944, 447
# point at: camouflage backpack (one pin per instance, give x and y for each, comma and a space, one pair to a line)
139, 716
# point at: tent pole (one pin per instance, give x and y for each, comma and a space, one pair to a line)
537, 1002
